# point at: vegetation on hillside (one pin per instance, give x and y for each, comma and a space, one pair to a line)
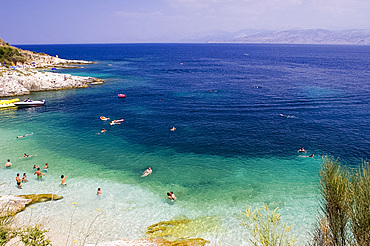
10, 56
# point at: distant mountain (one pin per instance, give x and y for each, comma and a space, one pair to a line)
300, 36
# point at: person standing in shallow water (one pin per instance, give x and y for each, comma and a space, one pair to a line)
19, 185
39, 173
8, 164
99, 192
24, 179
63, 180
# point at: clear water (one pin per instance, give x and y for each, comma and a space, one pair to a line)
231, 149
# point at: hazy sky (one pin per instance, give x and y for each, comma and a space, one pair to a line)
122, 21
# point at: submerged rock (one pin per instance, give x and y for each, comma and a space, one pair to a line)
10, 205
183, 228
41, 197
155, 242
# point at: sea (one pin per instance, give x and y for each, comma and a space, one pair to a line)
241, 112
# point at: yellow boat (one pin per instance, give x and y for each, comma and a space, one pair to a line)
9, 101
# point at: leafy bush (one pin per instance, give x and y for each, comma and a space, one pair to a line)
33, 236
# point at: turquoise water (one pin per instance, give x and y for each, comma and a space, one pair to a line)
231, 149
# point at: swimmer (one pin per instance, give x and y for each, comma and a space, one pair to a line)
302, 150
19, 185
98, 192
39, 173
173, 129
114, 122
171, 196
312, 155
63, 180
46, 167
8, 164
287, 116
25, 135
104, 118
35, 167
24, 178
25, 155
147, 172
103, 130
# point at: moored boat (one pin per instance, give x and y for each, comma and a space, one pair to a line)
8, 103
30, 103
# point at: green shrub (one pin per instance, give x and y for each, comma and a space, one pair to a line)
265, 226
33, 236
335, 194
5, 230
345, 205
360, 212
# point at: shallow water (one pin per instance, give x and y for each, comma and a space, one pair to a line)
231, 147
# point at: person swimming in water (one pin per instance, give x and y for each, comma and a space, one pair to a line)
302, 150
171, 196
147, 172
25, 135
173, 129
312, 155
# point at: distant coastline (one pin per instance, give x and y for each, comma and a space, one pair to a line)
294, 36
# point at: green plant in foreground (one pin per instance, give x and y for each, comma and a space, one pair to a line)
33, 236
266, 228
335, 202
360, 212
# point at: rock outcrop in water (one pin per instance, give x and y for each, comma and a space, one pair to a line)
19, 73
10, 205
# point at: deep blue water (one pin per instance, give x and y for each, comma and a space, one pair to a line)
209, 92
232, 148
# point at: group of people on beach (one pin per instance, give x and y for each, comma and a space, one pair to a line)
39, 175
24, 178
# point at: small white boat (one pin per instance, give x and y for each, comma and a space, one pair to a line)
30, 103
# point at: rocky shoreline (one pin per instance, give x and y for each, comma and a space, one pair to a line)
21, 81
24, 77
